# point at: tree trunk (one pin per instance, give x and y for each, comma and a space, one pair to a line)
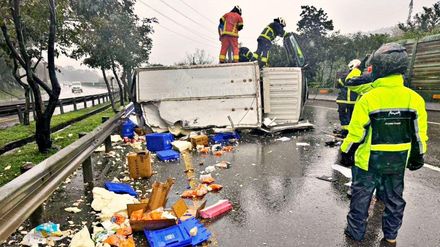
26, 89
121, 89
110, 93
127, 84
124, 82
42, 135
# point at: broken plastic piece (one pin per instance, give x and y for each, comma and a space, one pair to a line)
223, 164
216, 210
120, 188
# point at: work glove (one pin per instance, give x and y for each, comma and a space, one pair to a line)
347, 159
415, 162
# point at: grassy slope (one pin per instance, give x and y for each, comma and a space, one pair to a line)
61, 139
18, 132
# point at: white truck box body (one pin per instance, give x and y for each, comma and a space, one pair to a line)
223, 96
201, 96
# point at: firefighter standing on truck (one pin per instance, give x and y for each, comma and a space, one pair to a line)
347, 98
228, 29
274, 29
387, 133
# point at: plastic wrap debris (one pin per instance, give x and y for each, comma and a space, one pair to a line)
82, 239
216, 210
109, 203
223, 164
210, 169
46, 234
343, 170
72, 210
182, 146
206, 179
283, 139
302, 144
116, 138
100, 149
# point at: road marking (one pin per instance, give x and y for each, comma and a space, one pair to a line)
435, 168
331, 108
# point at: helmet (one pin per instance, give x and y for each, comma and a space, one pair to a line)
281, 21
355, 63
237, 9
389, 59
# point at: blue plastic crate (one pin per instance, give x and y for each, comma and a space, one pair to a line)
223, 138
174, 236
128, 129
167, 155
159, 141
120, 188
202, 233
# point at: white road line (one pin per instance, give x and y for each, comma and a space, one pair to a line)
331, 108
435, 168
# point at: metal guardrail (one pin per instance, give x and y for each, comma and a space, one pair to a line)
18, 107
23, 195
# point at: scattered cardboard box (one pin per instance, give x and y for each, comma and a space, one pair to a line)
139, 164
159, 194
199, 140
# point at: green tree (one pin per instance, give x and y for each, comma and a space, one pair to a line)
426, 22
110, 36
313, 27
28, 30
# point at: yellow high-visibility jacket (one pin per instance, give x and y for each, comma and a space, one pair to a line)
387, 122
346, 95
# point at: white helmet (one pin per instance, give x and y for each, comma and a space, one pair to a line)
281, 21
354, 64
237, 9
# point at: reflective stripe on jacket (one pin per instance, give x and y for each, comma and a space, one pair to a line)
272, 31
230, 24
386, 124
346, 96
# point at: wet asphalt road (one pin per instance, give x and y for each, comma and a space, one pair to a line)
277, 199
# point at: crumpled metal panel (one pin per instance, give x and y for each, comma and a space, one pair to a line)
201, 96
282, 94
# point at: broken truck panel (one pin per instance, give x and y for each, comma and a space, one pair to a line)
201, 96
220, 96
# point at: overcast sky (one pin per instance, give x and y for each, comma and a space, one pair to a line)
176, 34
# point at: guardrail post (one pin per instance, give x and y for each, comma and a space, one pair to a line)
75, 108
108, 141
36, 217
20, 114
99, 99
87, 167
61, 106
85, 102
93, 100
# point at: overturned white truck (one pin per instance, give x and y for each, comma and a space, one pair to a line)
224, 96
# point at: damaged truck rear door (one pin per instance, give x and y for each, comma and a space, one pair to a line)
221, 96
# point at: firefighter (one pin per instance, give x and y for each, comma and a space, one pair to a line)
228, 29
346, 98
274, 29
387, 133
245, 55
